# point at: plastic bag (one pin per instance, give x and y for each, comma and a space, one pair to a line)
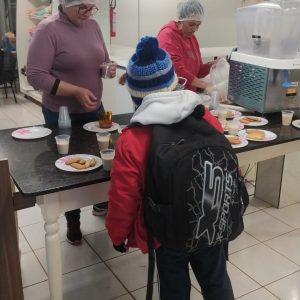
219, 76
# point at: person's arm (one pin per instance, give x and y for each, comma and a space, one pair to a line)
40, 59
125, 193
169, 43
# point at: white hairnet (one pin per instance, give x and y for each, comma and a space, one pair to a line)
190, 10
68, 3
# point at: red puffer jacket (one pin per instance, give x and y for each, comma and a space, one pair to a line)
125, 222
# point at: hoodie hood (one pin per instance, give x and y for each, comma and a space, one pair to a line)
172, 27
167, 107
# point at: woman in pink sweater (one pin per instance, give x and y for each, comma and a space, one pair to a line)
179, 40
63, 62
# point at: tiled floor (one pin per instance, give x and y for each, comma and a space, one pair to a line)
263, 263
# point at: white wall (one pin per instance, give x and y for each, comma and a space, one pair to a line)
136, 18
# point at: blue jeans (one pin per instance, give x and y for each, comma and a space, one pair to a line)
209, 267
51, 118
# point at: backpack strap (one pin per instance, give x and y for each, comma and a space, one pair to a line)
151, 265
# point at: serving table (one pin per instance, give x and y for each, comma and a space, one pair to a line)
33, 171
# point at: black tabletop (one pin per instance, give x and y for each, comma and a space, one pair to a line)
32, 166
31, 162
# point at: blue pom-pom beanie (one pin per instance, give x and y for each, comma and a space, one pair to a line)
150, 70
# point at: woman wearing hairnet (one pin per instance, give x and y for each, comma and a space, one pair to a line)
178, 39
63, 62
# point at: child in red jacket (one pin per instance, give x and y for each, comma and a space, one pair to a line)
152, 82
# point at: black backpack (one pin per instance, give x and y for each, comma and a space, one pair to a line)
194, 196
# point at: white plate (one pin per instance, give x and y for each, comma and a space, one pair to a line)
30, 133
243, 143
296, 123
234, 113
61, 163
269, 136
262, 121
94, 127
241, 126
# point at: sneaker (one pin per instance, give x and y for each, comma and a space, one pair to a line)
74, 235
100, 209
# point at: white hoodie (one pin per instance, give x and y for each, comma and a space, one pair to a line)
167, 107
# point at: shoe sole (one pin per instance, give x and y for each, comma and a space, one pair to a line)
74, 243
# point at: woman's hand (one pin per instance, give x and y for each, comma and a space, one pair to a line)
86, 98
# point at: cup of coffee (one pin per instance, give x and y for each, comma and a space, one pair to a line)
287, 117
108, 69
62, 142
107, 156
103, 139
105, 119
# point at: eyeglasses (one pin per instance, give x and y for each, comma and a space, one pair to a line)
83, 10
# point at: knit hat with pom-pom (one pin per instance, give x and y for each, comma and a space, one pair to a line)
150, 70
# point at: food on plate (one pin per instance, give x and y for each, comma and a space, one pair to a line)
73, 159
230, 114
105, 124
248, 119
80, 163
255, 134
233, 139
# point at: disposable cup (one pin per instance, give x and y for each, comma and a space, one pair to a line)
62, 142
287, 117
233, 127
107, 70
107, 156
222, 114
103, 139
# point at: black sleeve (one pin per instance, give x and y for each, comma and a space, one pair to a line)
55, 87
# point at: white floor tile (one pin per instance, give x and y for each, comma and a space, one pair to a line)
259, 203
244, 240
35, 234
73, 257
28, 216
141, 294
263, 226
262, 264
287, 288
102, 244
23, 245
131, 269
241, 283
92, 283
125, 297
287, 245
289, 214
91, 223
261, 294
37, 292
32, 271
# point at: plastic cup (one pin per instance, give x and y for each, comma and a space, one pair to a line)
62, 142
233, 127
103, 139
222, 114
64, 120
107, 70
107, 156
214, 100
287, 117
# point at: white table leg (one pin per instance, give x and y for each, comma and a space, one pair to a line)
50, 207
